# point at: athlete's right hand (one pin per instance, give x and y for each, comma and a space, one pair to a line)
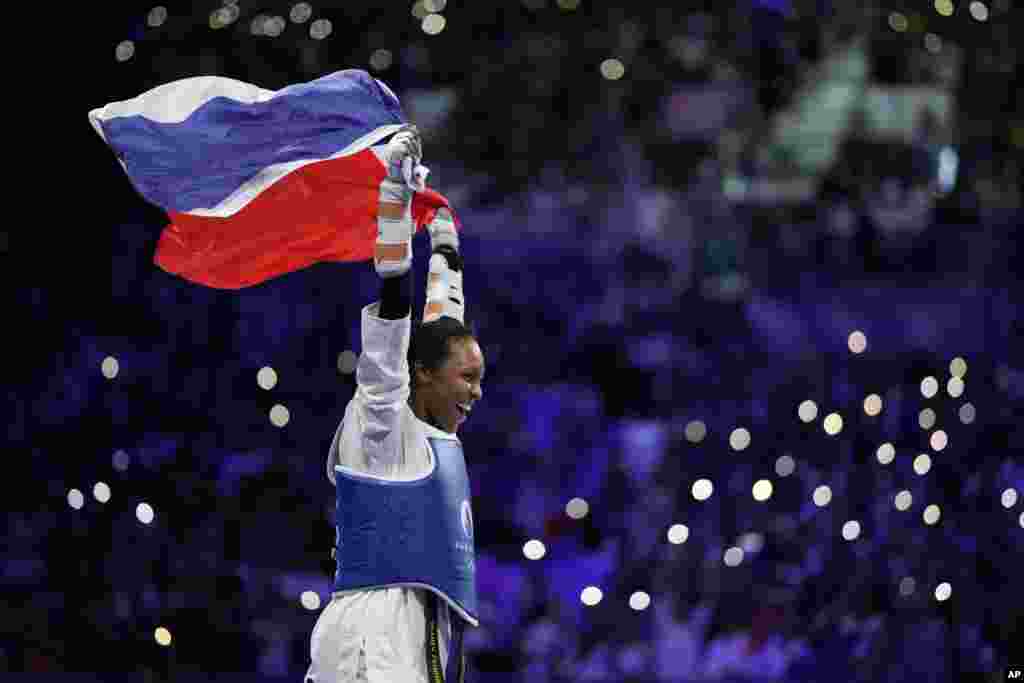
403, 151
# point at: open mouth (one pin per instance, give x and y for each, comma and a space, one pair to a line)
463, 410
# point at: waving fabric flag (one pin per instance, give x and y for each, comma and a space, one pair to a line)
259, 183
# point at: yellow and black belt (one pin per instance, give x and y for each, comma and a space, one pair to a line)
455, 672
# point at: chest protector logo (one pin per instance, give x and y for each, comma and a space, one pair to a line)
410, 533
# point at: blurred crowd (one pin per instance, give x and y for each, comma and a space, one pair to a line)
683, 335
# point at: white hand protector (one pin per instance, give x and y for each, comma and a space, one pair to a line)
392, 254
442, 231
444, 291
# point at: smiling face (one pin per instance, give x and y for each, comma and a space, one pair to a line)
444, 397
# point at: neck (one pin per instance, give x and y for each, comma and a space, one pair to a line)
419, 409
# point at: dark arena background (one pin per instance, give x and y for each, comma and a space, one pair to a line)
747, 278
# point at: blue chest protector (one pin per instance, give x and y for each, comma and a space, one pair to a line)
409, 533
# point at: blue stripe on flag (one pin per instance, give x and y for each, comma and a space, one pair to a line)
199, 162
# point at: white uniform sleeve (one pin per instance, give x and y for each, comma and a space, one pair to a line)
382, 389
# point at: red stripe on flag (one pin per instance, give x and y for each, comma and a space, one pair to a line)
324, 211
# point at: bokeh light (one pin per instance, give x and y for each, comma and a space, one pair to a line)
279, 415
739, 439
110, 367
695, 431
124, 51
310, 600
266, 378
903, 500
929, 387
144, 513
851, 530
926, 418
857, 342
873, 405
1009, 498
678, 533
702, 489
922, 464
979, 11
833, 424
577, 508
931, 514
101, 492
120, 460
76, 499
157, 16
347, 362
591, 596
907, 586
822, 495
955, 387
784, 465
886, 453
807, 411
733, 557
932, 43
938, 440
380, 60
162, 636
320, 29
762, 490
301, 12
433, 24
958, 367
534, 549
943, 591
639, 601
419, 10
434, 5
944, 7
967, 413
898, 22
612, 69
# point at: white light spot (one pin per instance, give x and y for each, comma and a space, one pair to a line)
886, 453
739, 439
678, 533
279, 415
929, 387
434, 5
577, 508
955, 387
857, 342
833, 424
943, 591
751, 542
702, 489
932, 43
301, 13
75, 499
784, 466
903, 501
873, 404
380, 60
347, 362
1020, 520
926, 418
1009, 498
266, 378
733, 557
958, 367
931, 514
851, 530
419, 10
613, 69
320, 29
822, 496
534, 549
310, 600
110, 367
807, 411
967, 413
762, 490
433, 24
101, 492
979, 11
944, 7
922, 464
591, 595
120, 460
144, 513
939, 440
696, 431
639, 601
124, 51
907, 586
162, 636
157, 16
898, 22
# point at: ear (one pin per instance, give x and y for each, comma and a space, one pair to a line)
423, 375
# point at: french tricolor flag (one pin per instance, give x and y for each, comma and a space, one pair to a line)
258, 183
